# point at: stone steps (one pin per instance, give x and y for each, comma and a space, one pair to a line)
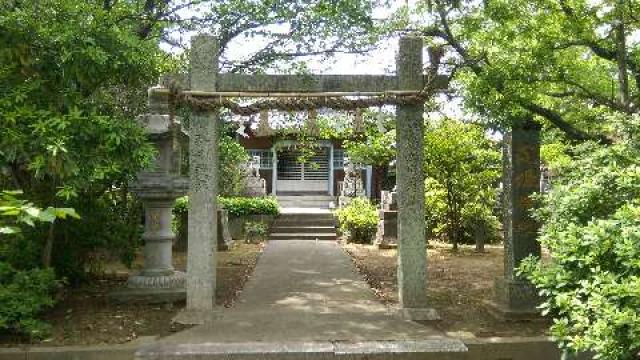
311, 228
303, 236
305, 201
305, 222
304, 226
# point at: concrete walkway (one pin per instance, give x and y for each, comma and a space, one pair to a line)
305, 292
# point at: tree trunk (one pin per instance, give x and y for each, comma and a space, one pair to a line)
451, 215
48, 246
480, 235
623, 76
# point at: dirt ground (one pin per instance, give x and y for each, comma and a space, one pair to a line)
85, 316
457, 284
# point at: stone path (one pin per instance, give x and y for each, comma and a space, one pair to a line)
305, 292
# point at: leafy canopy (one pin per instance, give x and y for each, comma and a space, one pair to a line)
570, 63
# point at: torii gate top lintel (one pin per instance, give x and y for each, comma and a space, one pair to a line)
207, 78
308, 83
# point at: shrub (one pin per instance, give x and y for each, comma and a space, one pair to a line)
241, 206
358, 220
181, 206
23, 296
107, 231
237, 206
591, 227
478, 212
24, 292
255, 231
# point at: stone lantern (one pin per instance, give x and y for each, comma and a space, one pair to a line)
158, 188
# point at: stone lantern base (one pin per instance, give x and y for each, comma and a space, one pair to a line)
158, 281
148, 295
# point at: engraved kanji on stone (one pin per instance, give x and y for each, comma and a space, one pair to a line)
526, 202
527, 179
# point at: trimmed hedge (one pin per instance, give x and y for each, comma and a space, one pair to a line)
238, 206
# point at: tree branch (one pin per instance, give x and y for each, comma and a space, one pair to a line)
474, 64
558, 121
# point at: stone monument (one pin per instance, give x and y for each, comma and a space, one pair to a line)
255, 185
516, 298
387, 236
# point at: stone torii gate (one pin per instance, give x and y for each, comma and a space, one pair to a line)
203, 179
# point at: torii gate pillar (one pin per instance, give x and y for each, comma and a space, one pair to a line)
412, 245
203, 188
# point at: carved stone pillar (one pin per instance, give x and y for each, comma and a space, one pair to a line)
515, 297
412, 244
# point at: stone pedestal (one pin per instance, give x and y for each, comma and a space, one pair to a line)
255, 185
387, 236
158, 189
515, 298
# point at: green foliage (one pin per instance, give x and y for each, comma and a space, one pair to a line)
242, 206
375, 147
571, 63
181, 206
73, 76
110, 230
14, 211
232, 167
255, 231
238, 206
358, 220
554, 155
462, 168
24, 295
317, 27
435, 203
591, 223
